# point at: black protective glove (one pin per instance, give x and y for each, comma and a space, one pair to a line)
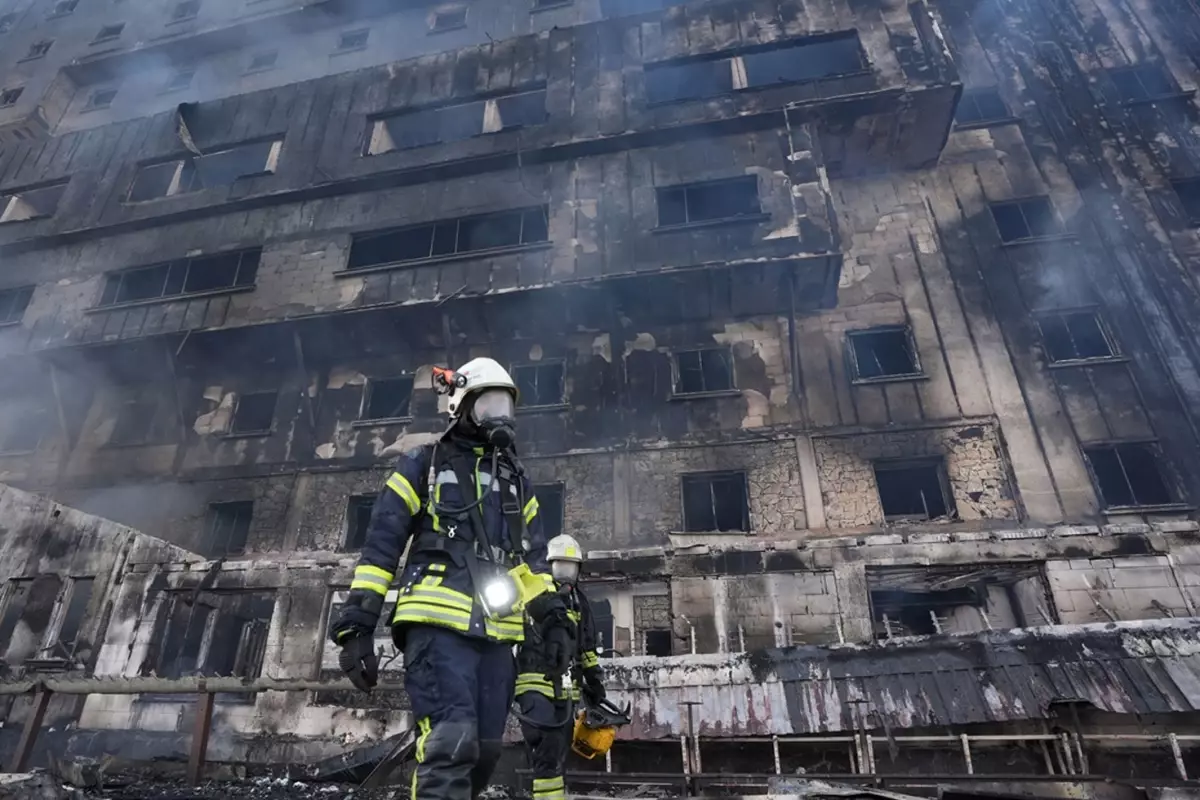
359, 662
593, 687
559, 644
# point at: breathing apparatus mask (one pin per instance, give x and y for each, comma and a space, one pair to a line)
493, 412
564, 571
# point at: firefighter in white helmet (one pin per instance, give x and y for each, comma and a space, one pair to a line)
546, 706
476, 567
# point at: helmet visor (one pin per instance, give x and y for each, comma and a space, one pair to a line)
491, 404
564, 571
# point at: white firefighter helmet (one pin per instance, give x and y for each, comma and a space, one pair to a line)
565, 557
475, 376
564, 548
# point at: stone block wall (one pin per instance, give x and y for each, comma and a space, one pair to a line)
1105, 589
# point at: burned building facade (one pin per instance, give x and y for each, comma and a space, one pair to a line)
834, 321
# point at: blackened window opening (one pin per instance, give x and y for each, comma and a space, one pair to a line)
388, 398
883, 353
602, 619
180, 653
68, 639
912, 490
550, 508
450, 20
1143, 82
702, 371
657, 642
1188, 192
183, 277
457, 122
13, 303
715, 502
1074, 336
33, 203
978, 106
264, 60
179, 80
110, 32
709, 201
229, 527
39, 49
1025, 219
222, 635
1128, 475
353, 40
9, 97
185, 10
211, 170
255, 413
101, 98
64, 7
539, 384
142, 417
450, 237
358, 520
16, 593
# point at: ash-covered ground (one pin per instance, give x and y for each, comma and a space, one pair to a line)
134, 787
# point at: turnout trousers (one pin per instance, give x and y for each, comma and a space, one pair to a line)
461, 689
548, 747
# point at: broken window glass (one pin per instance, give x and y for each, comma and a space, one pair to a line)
692, 80
255, 413
1142, 82
912, 490
358, 520
715, 501
882, 353
34, 203
657, 643
1025, 219
708, 201
186, 276
229, 527
979, 106
464, 235
13, 303
9, 97
1188, 192
803, 60
388, 398
700, 371
1128, 475
550, 507
539, 384
1074, 336
449, 19
80, 597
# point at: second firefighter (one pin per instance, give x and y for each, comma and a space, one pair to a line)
546, 706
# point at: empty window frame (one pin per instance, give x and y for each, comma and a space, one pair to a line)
1031, 218
227, 527
13, 303
358, 520
702, 371
36, 202
142, 417
223, 634
715, 501
9, 97
540, 4
1128, 474
457, 122
551, 507
1075, 336
1142, 83
199, 275
101, 98
254, 413
448, 19
884, 353
796, 61
482, 233
263, 61
109, 32
353, 40
16, 596
179, 80
387, 398
188, 9
710, 201
193, 173
978, 107
656, 643
1188, 192
64, 7
913, 490
540, 384
72, 613
39, 49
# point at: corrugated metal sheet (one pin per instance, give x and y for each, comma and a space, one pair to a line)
999, 676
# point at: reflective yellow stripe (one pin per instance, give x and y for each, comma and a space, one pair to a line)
508, 629
434, 498
430, 615
372, 579
401, 486
548, 783
424, 727
537, 683
440, 595
531, 510
589, 659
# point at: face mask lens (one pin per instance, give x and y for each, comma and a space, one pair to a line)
564, 571
492, 404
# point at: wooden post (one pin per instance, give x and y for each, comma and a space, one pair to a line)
29, 733
200, 730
